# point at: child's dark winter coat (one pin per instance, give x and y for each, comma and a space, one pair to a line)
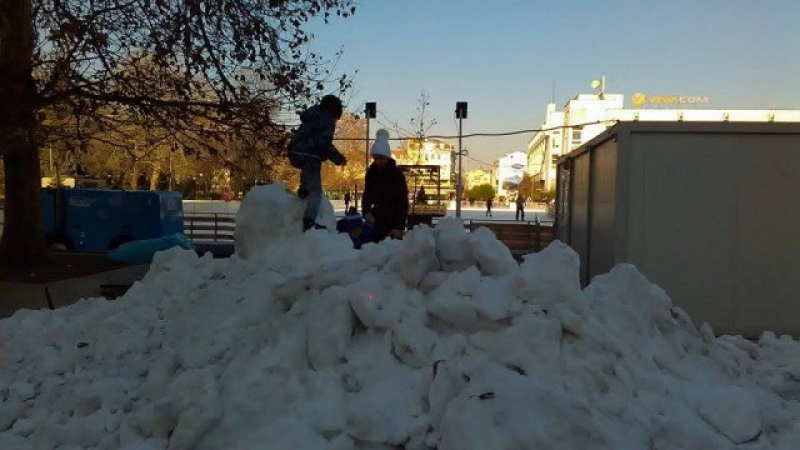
359, 231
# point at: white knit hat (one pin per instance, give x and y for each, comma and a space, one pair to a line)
381, 144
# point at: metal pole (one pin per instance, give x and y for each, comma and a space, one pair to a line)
461, 113
366, 161
355, 198
170, 171
366, 151
458, 181
370, 112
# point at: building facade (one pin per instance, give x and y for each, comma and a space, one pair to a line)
544, 148
588, 115
477, 177
509, 171
429, 152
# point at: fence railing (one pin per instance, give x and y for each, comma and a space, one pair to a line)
209, 226
519, 236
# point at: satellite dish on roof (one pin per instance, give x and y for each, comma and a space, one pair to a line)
595, 84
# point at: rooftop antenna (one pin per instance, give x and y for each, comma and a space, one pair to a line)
553, 94
601, 84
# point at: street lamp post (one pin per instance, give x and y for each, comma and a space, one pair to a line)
461, 114
370, 109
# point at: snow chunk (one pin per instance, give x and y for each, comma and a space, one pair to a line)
330, 325
270, 215
453, 245
491, 255
417, 256
733, 412
549, 277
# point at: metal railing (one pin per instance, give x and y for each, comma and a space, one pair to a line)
520, 236
546, 220
216, 227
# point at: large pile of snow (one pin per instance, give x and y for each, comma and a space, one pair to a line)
438, 341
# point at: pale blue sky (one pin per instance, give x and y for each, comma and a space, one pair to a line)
504, 57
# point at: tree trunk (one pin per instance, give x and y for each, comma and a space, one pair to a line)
23, 231
155, 175
134, 177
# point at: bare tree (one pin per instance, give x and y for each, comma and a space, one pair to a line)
421, 124
197, 69
350, 136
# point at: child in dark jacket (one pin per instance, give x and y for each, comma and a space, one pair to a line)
312, 144
352, 224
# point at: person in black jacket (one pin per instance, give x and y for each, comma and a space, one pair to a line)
310, 146
385, 201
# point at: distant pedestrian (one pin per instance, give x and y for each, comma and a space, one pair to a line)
422, 197
520, 207
347, 200
488, 207
227, 195
312, 144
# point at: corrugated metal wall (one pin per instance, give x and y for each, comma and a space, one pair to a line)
579, 210
602, 236
713, 221
682, 217
708, 211
563, 176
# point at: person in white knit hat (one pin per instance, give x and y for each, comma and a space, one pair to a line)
385, 202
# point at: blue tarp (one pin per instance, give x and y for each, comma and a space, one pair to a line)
142, 251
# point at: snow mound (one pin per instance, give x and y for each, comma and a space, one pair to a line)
433, 342
269, 214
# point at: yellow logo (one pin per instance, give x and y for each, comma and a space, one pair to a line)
639, 99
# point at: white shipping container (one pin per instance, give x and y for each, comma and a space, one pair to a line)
707, 210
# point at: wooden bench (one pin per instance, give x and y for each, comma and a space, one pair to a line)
424, 213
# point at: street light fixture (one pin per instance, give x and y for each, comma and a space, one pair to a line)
461, 114
369, 113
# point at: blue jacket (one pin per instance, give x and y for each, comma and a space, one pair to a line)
314, 138
351, 222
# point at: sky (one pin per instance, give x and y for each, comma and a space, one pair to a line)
509, 58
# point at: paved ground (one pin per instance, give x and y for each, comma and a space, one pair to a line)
62, 265
68, 278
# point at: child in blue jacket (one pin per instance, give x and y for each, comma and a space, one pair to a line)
360, 232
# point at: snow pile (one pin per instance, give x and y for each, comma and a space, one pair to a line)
436, 341
271, 215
